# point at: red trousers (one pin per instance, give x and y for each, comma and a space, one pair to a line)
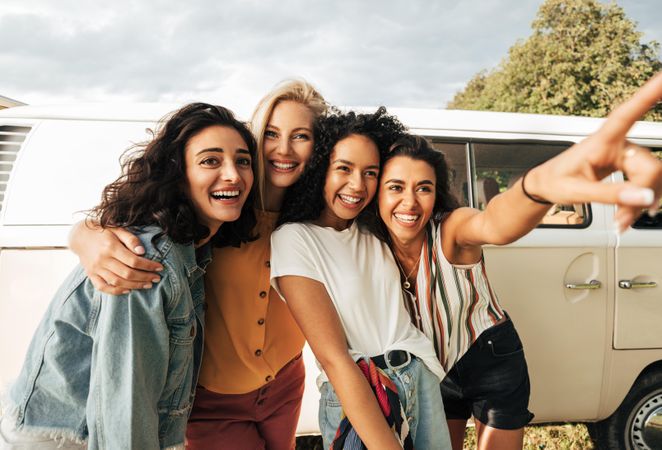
262, 419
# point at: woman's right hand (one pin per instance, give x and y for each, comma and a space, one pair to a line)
111, 258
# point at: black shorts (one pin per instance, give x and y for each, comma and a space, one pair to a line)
491, 381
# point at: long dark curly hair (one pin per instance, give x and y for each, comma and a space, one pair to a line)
304, 200
150, 190
419, 149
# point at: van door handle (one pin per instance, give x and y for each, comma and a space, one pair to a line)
628, 284
593, 284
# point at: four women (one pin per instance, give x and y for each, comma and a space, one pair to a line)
342, 285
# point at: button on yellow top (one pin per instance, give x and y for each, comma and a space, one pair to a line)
237, 283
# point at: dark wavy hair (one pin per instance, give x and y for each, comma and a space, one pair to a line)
150, 190
418, 149
304, 200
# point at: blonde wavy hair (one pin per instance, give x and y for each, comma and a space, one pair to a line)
297, 90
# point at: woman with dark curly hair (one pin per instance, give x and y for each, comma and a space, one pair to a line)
380, 376
121, 373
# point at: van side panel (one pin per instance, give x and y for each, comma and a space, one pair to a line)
28, 278
563, 331
638, 313
620, 374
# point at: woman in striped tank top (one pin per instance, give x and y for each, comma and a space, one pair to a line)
449, 297
437, 246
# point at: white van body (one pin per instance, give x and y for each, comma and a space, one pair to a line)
586, 348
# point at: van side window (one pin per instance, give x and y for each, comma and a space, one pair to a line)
456, 158
645, 221
498, 166
11, 139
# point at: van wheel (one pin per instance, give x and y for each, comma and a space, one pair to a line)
637, 423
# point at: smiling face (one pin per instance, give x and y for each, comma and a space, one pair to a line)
406, 197
288, 143
218, 175
351, 180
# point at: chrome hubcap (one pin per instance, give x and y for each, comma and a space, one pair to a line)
646, 425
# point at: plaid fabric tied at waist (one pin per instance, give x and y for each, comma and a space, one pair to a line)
389, 402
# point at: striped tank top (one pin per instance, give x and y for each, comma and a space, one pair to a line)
452, 305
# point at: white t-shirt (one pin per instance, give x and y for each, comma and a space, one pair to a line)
361, 278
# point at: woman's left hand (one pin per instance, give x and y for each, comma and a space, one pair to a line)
574, 175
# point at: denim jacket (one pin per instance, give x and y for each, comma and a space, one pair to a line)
117, 372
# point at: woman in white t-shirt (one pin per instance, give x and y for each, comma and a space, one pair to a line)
380, 375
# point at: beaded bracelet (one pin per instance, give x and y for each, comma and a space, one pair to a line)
538, 200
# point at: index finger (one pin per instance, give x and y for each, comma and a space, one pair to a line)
621, 119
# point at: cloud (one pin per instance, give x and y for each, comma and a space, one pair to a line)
358, 53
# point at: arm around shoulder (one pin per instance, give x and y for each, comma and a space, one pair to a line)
104, 254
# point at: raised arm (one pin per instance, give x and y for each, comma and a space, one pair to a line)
315, 314
110, 258
572, 177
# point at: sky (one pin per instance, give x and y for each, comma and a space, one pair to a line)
415, 53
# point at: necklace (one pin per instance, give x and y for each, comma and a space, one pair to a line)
406, 283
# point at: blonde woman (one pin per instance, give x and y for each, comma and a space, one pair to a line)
252, 375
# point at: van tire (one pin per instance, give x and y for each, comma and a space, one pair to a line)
624, 429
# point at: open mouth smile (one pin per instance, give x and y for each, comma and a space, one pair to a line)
283, 166
226, 196
406, 219
350, 201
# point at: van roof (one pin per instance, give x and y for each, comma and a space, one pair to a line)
124, 112
418, 119
500, 122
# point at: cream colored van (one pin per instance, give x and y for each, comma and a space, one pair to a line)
587, 302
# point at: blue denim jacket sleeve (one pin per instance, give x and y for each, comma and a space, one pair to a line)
129, 369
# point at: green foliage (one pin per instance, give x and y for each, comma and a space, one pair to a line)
583, 58
500, 176
549, 437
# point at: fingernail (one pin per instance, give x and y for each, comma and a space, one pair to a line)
147, 286
139, 249
160, 269
652, 212
156, 280
637, 196
125, 292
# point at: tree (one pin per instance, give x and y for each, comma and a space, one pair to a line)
583, 58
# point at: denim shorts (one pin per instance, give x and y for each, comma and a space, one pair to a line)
491, 381
418, 392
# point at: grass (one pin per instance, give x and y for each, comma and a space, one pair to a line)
537, 437
546, 437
